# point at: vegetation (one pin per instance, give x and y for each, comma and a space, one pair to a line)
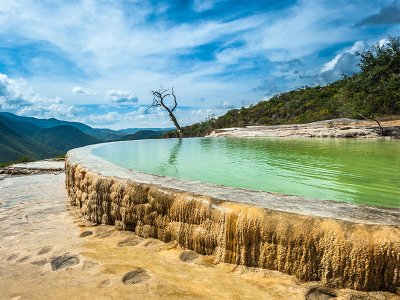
98, 133
374, 91
15, 144
64, 138
21, 140
143, 134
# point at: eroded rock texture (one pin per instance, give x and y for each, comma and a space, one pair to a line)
341, 254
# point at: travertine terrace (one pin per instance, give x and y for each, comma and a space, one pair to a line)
341, 245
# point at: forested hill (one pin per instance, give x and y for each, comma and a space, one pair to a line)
375, 90
26, 138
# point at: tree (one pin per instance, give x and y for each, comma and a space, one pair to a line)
160, 98
382, 57
374, 119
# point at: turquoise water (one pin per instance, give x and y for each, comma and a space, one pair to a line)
357, 171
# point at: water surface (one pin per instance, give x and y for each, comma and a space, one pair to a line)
351, 170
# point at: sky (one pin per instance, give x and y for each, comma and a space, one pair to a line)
96, 61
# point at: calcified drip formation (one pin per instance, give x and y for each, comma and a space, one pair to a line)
341, 254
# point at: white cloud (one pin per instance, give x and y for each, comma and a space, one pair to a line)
140, 117
343, 63
81, 90
383, 42
118, 47
17, 97
118, 96
103, 119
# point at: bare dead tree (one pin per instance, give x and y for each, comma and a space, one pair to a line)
373, 119
160, 97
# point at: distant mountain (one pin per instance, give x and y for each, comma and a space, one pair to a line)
24, 139
44, 138
98, 133
46, 123
64, 138
103, 134
127, 131
143, 134
14, 145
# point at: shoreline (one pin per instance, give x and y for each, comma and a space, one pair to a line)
335, 128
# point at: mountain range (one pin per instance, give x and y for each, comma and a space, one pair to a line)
31, 138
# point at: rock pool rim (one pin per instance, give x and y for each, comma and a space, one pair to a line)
338, 253
356, 213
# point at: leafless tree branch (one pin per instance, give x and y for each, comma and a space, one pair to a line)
159, 98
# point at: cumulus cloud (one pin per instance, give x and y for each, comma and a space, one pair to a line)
118, 96
81, 90
343, 63
103, 119
17, 97
13, 96
119, 46
139, 117
386, 16
383, 42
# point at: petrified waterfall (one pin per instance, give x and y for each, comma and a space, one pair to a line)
339, 253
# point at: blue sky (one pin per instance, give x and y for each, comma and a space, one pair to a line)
95, 61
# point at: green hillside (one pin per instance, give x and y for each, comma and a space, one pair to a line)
375, 90
101, 134
14, 146
20, 139
64, 138
32, 138
45, 123
98, 133
143, 134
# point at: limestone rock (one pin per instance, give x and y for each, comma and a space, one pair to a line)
340, 254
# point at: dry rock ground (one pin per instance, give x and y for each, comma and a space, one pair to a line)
48, 252
337, 128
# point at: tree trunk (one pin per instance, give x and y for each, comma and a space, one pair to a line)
178, 128
373, 119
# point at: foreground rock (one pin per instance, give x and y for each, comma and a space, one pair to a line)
64, 261
339, 253
136, 276
338, 128
41, 228
42, 256
54, 166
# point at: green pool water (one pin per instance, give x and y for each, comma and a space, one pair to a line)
357, 171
